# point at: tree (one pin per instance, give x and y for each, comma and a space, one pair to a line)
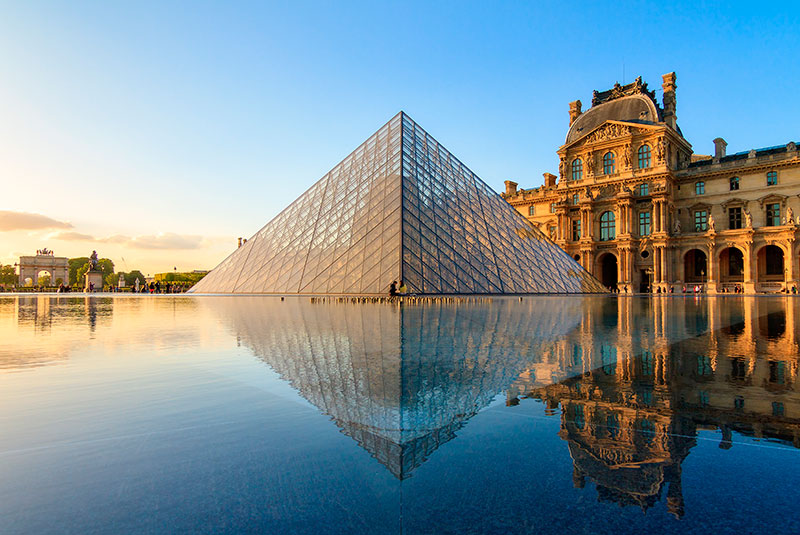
74, 265
131, 276
80, 274
8, 275
44, 280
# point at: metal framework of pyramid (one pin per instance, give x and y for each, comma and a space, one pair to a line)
399, 207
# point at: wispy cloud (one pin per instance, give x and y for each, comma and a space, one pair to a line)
26, 221
71, 236
162, 241
167, 240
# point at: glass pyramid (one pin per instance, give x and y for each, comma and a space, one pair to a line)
399, 207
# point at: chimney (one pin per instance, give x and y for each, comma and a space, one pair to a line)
670, 109
574, 111
549, 179
719, 149
511, 187
240, 242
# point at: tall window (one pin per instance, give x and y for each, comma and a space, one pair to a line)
644, 189
644, 223
735, 217
576, 229
552, 208
699, 188
575, 198
644, 156
608, 163
772, 178
531, 210
700, 221
734, 183
577, 169
773, 214
607, 226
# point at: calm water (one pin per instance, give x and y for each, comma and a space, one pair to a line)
546, 415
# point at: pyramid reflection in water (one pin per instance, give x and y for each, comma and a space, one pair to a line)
400, 381
399, 207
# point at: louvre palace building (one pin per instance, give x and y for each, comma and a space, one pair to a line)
636, 207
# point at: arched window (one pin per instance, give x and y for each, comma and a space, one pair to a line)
608, 163
577, 169
644, 156
608, 230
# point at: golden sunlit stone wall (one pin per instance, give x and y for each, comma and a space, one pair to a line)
643, 213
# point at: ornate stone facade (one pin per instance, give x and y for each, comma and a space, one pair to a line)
643, 213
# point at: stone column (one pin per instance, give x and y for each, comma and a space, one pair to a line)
711, 265
656, 266
789, 263
750, 265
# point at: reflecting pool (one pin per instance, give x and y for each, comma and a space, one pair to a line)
541, 415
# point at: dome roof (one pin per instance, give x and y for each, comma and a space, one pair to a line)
634, 108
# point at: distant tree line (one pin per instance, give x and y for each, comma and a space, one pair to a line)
77, 268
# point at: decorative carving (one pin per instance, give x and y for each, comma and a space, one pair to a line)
660, 149
589, 163
44, 252
637, 87
626, 156
789, 217
711, 223
748, 219
677, 229
562, 167
609, 131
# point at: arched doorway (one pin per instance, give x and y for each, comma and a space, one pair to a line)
731, 265
608, 270
44, 278
695, 266
770, 264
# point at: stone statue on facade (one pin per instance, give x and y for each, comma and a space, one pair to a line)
626, 156
677, 229
789, 216
562, 167
748, 219
93, 261
711, 224
660, 149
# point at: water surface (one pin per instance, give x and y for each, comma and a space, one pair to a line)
541, 415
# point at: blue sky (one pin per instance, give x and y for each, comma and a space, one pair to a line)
161, 131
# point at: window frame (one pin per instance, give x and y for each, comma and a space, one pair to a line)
772, 213
700, 187
700, 214
608, 227
609, 163
735, 181
531, 210
772, 178
645, 223
577, 168
644, 155
735, 218
576, 229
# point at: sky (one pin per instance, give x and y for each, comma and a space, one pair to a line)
158, 132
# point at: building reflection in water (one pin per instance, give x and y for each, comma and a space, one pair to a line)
400, 380
635, 379
631, 417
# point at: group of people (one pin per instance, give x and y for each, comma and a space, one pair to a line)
395, 290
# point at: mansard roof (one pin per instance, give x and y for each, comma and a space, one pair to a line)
637, 108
